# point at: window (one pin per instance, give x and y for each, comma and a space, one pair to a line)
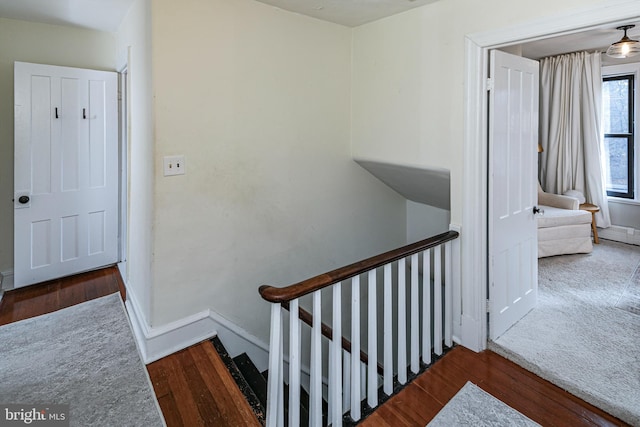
618, 126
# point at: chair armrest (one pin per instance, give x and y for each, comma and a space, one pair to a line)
558, 201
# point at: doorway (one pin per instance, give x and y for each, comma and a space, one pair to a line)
123, 177
476, 147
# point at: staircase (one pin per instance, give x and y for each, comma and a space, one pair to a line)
253, 384
346, 379
249, 380
402, 299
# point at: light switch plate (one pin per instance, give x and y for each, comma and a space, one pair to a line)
174, 165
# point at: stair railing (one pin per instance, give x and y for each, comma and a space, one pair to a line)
427, 313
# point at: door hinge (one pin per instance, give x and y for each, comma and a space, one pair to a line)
489, 84
488, 306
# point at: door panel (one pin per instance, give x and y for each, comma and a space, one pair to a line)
41, 243
513, 139
70, 134
66, 162
70, 237
41, 133
97, 135
96, 232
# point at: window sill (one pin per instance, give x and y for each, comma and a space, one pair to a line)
623, 201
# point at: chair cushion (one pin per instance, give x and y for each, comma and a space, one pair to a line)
576, 245
565, 232
555, 217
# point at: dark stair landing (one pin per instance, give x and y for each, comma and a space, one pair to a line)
253, 385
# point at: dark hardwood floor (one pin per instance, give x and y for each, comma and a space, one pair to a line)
534, 397
31, 301
194, 390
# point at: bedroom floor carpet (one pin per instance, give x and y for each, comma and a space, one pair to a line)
584, 334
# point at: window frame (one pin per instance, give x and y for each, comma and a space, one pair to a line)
629, 136
618, 72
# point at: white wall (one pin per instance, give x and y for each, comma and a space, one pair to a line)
408, 99
625, 214
424, 221
45, 44
258, 101
134, 48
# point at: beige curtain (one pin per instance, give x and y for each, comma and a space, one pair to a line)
570, 128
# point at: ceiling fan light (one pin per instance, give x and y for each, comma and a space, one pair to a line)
625, 47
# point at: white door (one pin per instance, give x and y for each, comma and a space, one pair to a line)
65, 171
513, 142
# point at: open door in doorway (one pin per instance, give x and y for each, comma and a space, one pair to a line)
513, 141
66, 171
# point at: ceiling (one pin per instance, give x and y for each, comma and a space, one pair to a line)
107, 15
102, 15
348, 12
590, 40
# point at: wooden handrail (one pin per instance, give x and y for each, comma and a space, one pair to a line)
288, 293
327, 332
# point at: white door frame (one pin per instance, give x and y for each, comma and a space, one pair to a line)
122, 157
475, 186
124, 116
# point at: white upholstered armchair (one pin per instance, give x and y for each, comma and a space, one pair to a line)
563, 228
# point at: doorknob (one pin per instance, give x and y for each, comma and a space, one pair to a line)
538, 211
23, 199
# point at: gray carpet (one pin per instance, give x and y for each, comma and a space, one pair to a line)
472, 406
584, 335
84, 356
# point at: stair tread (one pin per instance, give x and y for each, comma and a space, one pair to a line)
248, 394
253, 377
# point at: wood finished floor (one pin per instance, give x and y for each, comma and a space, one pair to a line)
534, 397
193, 388
31, 301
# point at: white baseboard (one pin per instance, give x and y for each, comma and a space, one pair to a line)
157, 342
620, 234
237, 341
6, 280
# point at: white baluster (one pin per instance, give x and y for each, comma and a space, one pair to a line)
355, 348
315, 392
281, 377
330, 374
372, 328
402, 322
335, 382
346, 380
426, 307
448, 297
274, 387
363, 379
388, 332
294, 363
415, 316
437, 300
